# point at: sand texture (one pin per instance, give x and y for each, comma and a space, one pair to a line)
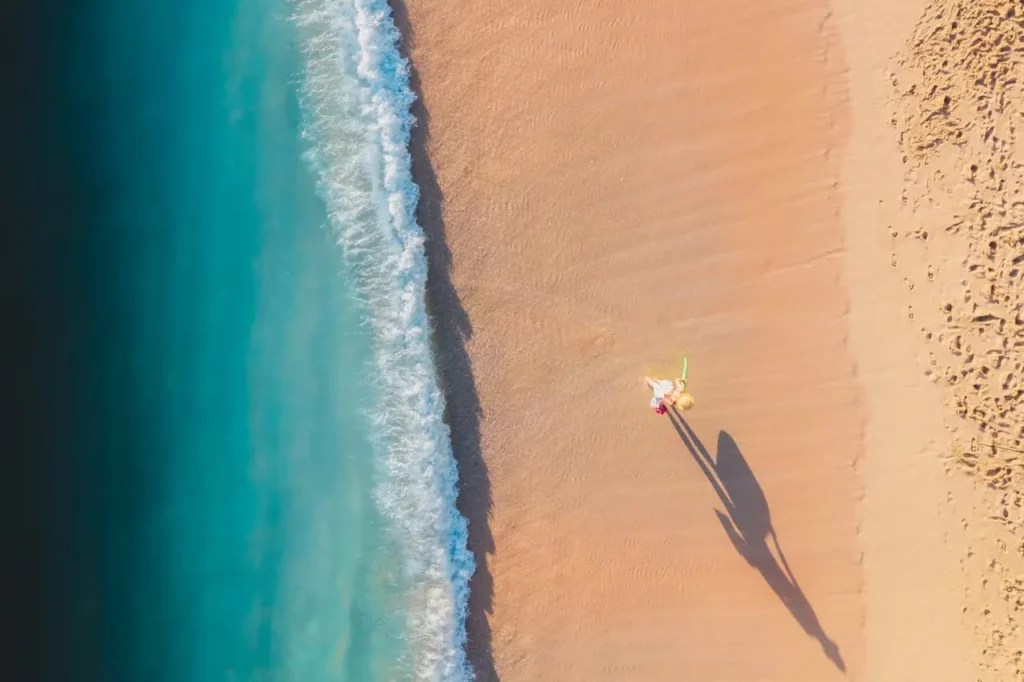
917, 520
957, 241
609, 185
619, 189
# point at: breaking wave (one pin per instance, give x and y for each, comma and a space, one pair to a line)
356, 101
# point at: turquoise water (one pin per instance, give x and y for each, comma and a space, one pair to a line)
261, 511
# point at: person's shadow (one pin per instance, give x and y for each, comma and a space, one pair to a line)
748, 524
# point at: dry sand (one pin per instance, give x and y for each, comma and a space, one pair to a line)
956, 242
609, 185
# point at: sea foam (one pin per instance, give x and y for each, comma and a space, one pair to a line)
357, 99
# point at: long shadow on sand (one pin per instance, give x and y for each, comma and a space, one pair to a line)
748, 524
452, 329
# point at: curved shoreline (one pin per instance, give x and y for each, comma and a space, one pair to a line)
354, 72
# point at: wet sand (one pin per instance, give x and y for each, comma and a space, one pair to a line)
608, 186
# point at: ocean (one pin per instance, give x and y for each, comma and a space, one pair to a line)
262, 485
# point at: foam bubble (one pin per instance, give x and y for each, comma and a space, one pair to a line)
357, 100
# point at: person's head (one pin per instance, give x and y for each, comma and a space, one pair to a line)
684, 401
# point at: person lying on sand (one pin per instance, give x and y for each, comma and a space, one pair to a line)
668, 394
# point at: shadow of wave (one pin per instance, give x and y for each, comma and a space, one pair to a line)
452, 329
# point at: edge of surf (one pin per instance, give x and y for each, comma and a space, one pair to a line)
357, 102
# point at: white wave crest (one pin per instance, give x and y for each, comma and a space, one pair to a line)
357, 100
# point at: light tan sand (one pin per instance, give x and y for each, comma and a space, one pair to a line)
956, 240
611, 184
912, 536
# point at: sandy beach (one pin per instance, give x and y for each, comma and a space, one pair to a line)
609, 186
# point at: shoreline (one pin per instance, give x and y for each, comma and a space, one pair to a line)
452, 329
